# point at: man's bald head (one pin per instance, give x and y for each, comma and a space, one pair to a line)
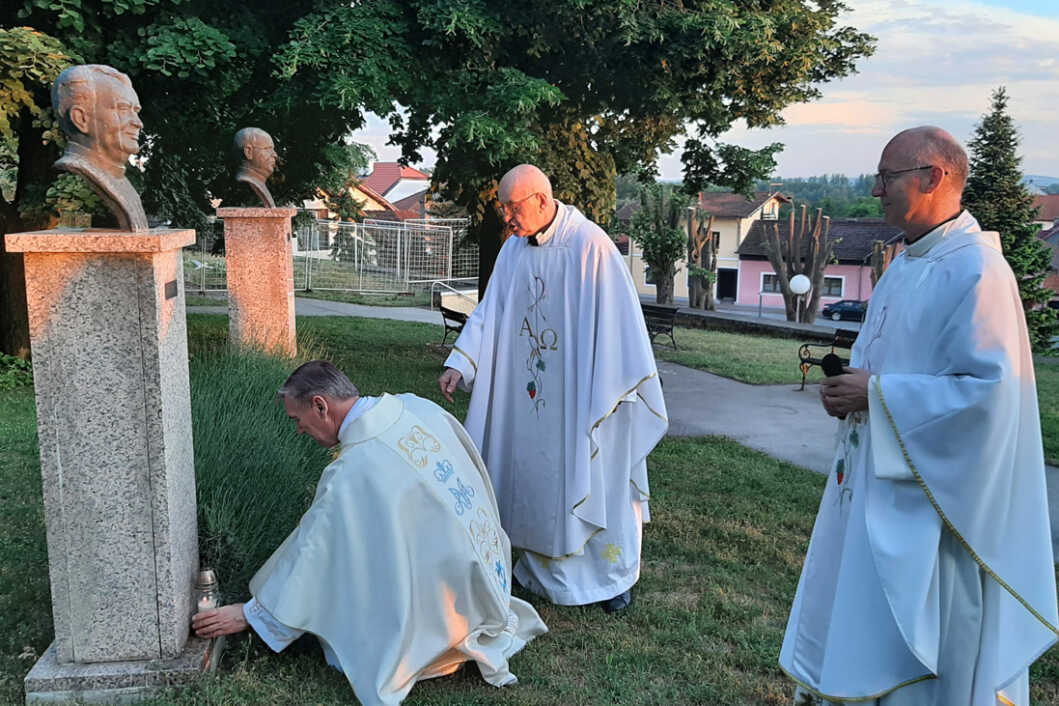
929, 145
523, 180
526, 201
922, 172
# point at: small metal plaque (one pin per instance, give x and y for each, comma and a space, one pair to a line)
170, 289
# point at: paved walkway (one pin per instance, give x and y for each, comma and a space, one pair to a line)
779, 420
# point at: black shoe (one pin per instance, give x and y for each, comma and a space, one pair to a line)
617, 604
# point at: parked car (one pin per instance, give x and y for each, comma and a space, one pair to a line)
845, 309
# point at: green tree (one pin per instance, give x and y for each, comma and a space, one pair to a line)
996, 196
584, 88
658, 229
29, 62
202, 71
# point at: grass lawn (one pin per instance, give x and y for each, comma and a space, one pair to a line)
760, 360
421, 299
721, 562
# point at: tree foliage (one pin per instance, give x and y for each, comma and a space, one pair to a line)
595, 86
584, 88
658, 228
996, 196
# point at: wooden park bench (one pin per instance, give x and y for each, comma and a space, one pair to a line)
659, 320
844, 338
453, 320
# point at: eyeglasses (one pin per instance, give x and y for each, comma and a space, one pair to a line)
886, 178
508, 208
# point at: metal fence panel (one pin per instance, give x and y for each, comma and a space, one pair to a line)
373, 256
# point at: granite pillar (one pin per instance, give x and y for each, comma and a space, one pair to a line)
109, 339
260, 261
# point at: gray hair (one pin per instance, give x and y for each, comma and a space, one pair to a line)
317, 377
75, 86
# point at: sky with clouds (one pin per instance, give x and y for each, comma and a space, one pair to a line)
936, 62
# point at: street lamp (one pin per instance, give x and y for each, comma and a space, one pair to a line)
799, 284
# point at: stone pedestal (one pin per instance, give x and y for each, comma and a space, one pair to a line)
108, 332
260, 261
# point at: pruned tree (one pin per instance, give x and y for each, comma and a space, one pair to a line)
658, 229
881, 256
702, 260
807, 251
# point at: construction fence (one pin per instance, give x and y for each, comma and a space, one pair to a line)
373, 256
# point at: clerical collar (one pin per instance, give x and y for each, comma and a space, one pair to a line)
359, 408
545, 234
923, 244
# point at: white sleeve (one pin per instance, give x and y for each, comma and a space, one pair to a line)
275, 634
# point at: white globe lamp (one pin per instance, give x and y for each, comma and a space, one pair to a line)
800, 284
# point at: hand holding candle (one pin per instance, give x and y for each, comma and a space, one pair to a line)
215, 622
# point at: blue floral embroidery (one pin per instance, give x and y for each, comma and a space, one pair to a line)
501, 574
463, 495
443, 470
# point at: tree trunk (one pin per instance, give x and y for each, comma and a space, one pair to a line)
488, 248
34, 163
664, 285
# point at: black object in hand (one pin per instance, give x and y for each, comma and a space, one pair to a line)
832, 365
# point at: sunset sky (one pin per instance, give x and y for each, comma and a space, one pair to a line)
936, 62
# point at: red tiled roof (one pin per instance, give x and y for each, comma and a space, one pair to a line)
375, 196
1048, 207
385, 174
729, 205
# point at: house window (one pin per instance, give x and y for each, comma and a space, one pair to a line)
832, 286
770, 211
648, 276
770, 283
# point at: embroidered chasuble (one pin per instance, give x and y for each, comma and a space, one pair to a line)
400, 566
565, 406
929, 577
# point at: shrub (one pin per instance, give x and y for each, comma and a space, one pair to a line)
255, 476
14, 372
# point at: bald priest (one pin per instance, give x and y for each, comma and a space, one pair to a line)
400, 566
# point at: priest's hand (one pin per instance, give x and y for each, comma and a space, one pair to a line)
845, 393
448, 382
226, 620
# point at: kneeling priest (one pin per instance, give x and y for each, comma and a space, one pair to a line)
400, 566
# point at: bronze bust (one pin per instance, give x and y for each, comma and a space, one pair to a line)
257, 154
98, 113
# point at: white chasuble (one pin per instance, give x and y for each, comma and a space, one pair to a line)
929, 576
400, 566
565, 400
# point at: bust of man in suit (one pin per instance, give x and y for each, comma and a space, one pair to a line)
98, 113
257, 154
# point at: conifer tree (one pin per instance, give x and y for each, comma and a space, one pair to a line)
996, 196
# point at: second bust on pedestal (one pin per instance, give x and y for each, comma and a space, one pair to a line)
257, 154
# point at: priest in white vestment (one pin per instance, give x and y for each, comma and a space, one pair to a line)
929, 579
565, 398
400, 566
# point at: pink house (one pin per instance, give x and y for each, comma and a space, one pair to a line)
849, 278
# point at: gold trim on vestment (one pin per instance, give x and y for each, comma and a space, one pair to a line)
1004, 700
856, 699
649, 409
620, 398
469, 358
639, 489
945, 520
